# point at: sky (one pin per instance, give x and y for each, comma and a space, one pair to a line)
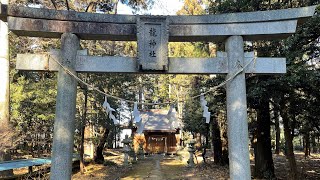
160, 7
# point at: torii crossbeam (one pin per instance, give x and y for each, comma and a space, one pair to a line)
232, 29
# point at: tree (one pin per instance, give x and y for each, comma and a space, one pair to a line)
293, 50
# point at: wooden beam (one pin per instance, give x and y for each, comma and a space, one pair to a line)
113, 64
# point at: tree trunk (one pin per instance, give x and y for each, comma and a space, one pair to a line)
314, 144
198, 140
207, 135
264, 167
217, 143
83, 126
211, 131
99, 150
222, 122
277, 127
307, 144
293, 174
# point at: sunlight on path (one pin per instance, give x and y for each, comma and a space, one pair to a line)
156, 167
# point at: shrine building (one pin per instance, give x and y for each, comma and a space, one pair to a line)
160, 135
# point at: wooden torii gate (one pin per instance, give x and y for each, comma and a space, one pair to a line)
152, 34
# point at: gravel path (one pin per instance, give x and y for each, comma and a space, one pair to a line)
156, 167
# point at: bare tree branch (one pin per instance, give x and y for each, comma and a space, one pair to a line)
67, 3
54, 3
91, 6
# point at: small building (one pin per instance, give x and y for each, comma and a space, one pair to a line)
160, 134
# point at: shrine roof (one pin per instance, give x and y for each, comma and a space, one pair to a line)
156, 120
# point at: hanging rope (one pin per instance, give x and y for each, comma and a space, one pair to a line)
143, 103
227, 80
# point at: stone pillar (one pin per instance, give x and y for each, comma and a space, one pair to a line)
63, 133
4, 90
4, 72
239, 162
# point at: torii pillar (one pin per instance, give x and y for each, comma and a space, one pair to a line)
239, 160
63, 132
5, 85
4, 71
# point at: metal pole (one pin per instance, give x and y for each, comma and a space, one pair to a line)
63, 133
239, 162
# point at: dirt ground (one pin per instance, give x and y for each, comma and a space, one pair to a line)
156, 167
308, 168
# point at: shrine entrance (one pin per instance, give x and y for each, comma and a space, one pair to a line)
152, 34
157, 144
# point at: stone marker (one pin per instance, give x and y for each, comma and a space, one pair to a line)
153, 37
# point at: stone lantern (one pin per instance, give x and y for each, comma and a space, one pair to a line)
126, 149
140, 151
191, 151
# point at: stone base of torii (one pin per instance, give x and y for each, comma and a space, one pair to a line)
230, 62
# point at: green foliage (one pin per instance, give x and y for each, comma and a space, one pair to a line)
33, 93
32, 101
192, 7
298, 87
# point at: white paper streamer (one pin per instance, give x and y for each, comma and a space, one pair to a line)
203, 102
140, 126
208, 117
172, 117
205, 111
206, 114
109, 111
136, 113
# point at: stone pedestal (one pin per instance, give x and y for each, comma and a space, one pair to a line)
133, 154
140, 151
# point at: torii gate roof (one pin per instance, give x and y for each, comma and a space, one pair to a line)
50, 23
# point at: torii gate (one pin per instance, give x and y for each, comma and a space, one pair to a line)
152, 34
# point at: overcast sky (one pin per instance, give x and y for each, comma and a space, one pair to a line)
160, 7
